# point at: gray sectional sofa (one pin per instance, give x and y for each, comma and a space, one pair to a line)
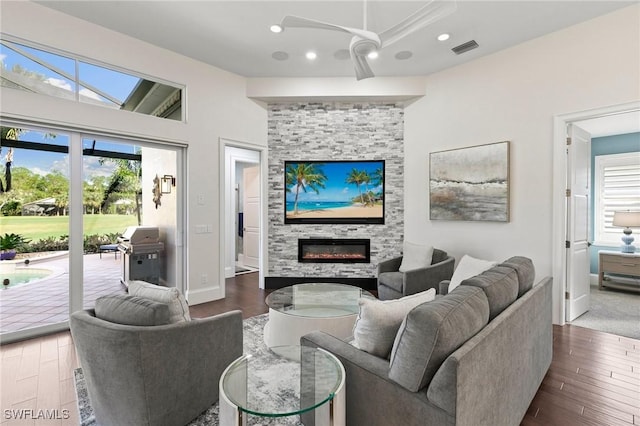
475, 356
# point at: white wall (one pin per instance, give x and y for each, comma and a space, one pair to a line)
160, 162
514, 95
215, 102
510, 95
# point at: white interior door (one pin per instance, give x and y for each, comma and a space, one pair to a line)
251, 226
578, 182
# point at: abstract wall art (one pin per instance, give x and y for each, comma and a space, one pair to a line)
470, 184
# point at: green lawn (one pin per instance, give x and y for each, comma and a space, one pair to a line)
38, 227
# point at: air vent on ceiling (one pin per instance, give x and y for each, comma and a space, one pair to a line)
465, 47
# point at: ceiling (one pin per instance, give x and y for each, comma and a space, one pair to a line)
235, 35
613, 124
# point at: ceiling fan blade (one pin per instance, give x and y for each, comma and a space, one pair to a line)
424, 16
290, 21
299, 22
363, 70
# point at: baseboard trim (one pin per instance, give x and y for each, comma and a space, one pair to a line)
198, 296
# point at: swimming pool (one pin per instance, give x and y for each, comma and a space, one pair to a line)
23, 276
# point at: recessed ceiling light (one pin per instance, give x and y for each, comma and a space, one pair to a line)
280, 55
443, 37
405, 54
373, 54
311, 55
275, 28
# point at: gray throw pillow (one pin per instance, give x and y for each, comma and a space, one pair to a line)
131, 310
525, 270
433, 331
379, 320
500, 285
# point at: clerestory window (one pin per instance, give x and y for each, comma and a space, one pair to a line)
45, 72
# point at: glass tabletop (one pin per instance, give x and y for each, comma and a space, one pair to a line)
283, 381
318, 300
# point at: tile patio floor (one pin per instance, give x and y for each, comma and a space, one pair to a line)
46, 301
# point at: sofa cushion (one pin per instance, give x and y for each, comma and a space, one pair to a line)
178, 308
467, 268
500, 285
131, 310
525, 270
415, 256
378, 321
392, 280
434, 330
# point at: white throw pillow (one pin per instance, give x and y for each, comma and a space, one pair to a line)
379, 321
468, 267
178, 307
415, 256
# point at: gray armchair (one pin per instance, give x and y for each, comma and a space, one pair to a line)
393, 284
154, 375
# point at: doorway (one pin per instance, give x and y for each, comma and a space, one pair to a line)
243, 233
72, 194
562, 272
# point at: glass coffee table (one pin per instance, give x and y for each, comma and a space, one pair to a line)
285, 385
302, 308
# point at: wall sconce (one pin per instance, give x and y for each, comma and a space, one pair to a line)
166, 183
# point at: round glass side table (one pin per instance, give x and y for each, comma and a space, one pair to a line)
300, 383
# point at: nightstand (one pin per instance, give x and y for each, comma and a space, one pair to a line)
615, 262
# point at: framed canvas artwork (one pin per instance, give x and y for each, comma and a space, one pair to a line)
470, 184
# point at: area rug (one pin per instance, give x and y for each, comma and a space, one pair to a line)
253, 344
612, 311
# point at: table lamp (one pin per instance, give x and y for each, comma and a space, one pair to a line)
627, 220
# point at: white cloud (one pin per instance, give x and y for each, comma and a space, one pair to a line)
90, 94
39, 171
63, 84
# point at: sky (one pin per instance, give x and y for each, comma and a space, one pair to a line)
116, 84
42, 162
336, 189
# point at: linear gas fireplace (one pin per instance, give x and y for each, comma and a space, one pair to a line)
334, 250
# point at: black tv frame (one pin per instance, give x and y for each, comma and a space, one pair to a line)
333, 220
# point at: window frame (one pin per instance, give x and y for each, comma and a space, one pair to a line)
604, 233
181, 88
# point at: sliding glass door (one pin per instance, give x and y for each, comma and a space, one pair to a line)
66, 198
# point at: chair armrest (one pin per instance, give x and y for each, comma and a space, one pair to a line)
444, 287
390, 265
422, 279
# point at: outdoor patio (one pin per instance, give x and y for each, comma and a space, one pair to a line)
46, 301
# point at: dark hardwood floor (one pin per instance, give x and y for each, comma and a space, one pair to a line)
241, 292
594, 377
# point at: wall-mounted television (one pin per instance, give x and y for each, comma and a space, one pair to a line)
334, 192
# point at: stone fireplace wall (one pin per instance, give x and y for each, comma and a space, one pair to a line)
334, 131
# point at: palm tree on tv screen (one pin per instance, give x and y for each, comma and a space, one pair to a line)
358, 177
304, 175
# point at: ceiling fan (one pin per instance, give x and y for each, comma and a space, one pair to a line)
364, 41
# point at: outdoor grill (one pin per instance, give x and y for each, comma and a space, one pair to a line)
140, 247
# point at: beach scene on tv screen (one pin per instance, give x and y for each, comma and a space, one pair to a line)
343, 189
